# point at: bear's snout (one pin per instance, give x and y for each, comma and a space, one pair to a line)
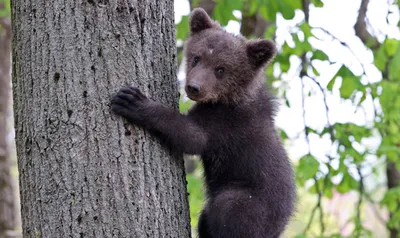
193, 89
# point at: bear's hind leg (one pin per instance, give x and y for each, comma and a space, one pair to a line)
240, 214
203, 228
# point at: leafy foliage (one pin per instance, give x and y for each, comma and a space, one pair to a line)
5, 8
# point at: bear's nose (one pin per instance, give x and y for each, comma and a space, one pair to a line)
193, 89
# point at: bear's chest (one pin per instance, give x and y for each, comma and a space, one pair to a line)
223, 125
227, 128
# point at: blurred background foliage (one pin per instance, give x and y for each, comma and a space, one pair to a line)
337, 75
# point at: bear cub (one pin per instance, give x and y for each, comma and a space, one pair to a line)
248, 177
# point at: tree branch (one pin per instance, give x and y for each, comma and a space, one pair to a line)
306, 9
359, 203
343, 44
361, 26
253, 24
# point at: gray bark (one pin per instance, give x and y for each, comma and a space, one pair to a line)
84, 172
7, 198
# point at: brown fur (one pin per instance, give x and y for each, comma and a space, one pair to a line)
241, 59
248, 176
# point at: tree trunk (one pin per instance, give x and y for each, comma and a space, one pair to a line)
393, 178
84, 172
7, 199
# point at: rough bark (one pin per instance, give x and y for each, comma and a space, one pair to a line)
7, 199
84, 172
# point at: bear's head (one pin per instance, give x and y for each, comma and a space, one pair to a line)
222, 67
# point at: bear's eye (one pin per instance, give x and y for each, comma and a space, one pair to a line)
196, 60
220, 70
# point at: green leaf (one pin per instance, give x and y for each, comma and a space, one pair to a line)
344, 71
317, 3
391, 199
182, 29
270, 32
268, 10
319, 55
287, 103
301, 46
390, 91
330, 84
253, 8
307, 168
283, 135
195, 3
223, 11
358, 132
5, 10
394, 67
348, 183
394, 221
380, 58
196, 197
390, 46
287, 7
315, 71
350, 82
328, 193
284, 62
293, 4
300, 236
310, 130
306, 29
184, 106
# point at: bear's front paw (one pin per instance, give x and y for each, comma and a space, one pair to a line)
130, 104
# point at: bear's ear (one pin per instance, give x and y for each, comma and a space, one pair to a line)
199, 21
260, 52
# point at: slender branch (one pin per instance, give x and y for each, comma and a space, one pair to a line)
314, 210
332, 137
374, 210
330, 126
303, 72
360, 200
345, 45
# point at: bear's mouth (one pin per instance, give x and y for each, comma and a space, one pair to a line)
194, 97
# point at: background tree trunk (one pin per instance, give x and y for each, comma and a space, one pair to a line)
207, 5
393, 180
84, 172
7, 198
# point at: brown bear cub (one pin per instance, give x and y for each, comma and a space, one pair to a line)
249, 178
